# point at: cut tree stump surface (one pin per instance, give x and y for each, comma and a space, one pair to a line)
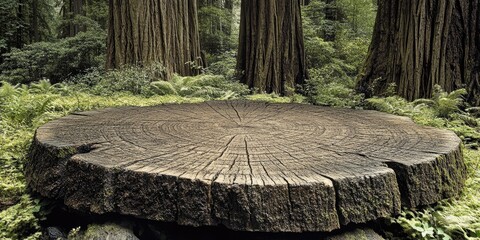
249, 166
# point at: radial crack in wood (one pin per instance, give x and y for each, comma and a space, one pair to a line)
249, 166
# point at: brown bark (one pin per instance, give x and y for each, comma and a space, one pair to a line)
271, 51
240, 165
419, 44
76, 8
142, 32
34, 31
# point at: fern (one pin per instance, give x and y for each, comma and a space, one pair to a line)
43, 86
163, 88
7, 90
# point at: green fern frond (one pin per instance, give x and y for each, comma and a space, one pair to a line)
43, 86
7, 90
457, 94
380, 105
428, 102
163, 88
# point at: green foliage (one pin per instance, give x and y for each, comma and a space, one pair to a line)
215, 25
204, 86
447, 104
148, 81
20, 221
134, 80
224, 64
353, 51
460, 217
360, 16
442, 111
455, 218
54, 60
421, 225
452, 219
442, 104
10, 25
319, 52
20, 20
22, 110
97, 10
334, 63
274, 98
314, 22
163, 88
330, 86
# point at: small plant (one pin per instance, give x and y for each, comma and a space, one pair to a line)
75, 233
421, 225
445, 104
203, 86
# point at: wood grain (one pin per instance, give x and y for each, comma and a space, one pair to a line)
250, 166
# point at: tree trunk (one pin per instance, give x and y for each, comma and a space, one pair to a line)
142, 32
420, 44
271, 50
34, 34
71, 9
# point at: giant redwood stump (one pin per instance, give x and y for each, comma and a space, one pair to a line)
250, 166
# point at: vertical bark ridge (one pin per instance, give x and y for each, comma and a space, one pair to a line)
149, 31
271, 50
420, 44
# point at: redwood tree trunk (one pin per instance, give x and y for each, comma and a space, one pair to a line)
271, 51
73, 8
419, 44
142, 32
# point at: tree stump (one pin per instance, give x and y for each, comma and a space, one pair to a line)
249, 166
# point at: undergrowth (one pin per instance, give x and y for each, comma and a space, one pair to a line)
25, 108
454, 218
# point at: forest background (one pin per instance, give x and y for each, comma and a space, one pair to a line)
52, 63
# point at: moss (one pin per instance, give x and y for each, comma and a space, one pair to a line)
103, 231
20, 221
66, 152
274, 98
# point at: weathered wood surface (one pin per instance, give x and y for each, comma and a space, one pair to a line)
250, 166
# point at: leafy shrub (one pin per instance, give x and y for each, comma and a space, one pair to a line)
163, 88
314, 21
353, 51
147, 81
421, 225
54, 60
331, 86
443, 105
319, 52
224, 64
215, 31
205, 86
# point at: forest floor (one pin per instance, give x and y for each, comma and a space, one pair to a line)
25, 108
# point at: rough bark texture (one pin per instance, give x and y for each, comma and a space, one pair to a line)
418, 44
142, 32
271, 54
247, 165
